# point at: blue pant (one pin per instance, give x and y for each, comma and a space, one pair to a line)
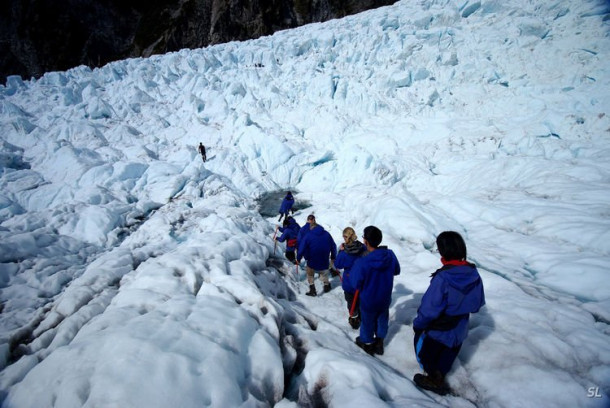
374, 324
432, 355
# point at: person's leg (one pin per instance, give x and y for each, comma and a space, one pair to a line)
436, 359
310, 279
324, 276
310, 275
367, 327
353, 319
383, 322
381, 330
418, 344
429, 353
349, 299
446, 358
366, 340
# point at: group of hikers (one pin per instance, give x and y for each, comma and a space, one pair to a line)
441, 324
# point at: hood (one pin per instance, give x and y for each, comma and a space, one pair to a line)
318, 230
463, 278
381, 258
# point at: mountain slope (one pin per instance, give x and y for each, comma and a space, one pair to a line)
134, 274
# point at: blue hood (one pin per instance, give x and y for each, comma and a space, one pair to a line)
465, 288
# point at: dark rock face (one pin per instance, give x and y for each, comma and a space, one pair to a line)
37, 36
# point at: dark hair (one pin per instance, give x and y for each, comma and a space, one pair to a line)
311, 217
451, 246
372, 235
287, 221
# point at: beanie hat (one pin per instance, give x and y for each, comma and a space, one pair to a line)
373, 235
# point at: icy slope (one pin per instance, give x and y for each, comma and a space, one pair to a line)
135, 275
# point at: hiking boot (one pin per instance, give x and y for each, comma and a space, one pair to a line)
312, 291
435, 383
368, 347
379, 346
354, 321
327, 288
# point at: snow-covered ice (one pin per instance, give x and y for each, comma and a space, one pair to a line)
132, 274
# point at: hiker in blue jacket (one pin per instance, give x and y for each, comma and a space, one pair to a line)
348, 252
289, 230
319, 250
373, 276
441, 325
286, 205
306, 228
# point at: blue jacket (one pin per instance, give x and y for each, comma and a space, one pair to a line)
373, 275
287, 204
302, 232
345, 260
289, 233
317, 247
454, 293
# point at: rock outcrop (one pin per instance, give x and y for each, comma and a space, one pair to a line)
37, 36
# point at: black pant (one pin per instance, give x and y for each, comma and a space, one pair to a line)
349, 297
434, 356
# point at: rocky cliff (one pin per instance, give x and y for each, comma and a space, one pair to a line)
37, 36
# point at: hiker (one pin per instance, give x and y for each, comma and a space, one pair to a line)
289, 230
441, 325
348, 252
319, 250
286, 205
306, 228
202, 152
373, 276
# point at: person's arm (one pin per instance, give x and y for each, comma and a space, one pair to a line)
397, 266
340, 260
333, 248
302, 244
433, 303
356, 275
282, 237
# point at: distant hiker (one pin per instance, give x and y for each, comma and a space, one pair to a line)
373, 276
286, 205
318, 249
441, 325
349, 252
290, 231
202, 152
